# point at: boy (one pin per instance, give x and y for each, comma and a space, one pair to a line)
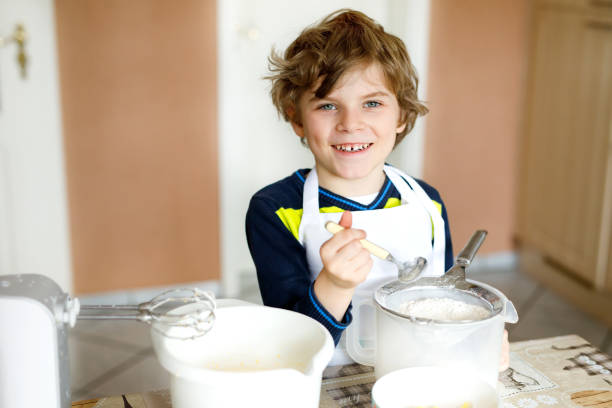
349, 90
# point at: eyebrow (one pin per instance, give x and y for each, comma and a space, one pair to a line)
377, 93
370, 95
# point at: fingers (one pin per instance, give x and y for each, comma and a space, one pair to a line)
345, 260
361, 265
347, 252
349, 274
504, 362
352, 255
341, 239
346, 220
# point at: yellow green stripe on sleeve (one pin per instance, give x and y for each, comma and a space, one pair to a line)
291, 218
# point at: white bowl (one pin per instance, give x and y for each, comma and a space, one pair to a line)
253, 356
438, 387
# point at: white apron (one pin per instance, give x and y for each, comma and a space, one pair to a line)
405, 231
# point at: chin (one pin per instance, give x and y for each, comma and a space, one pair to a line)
353, 174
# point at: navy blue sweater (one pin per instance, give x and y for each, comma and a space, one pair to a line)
272, 224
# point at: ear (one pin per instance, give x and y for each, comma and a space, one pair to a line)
298, 128
400, 128
402, 123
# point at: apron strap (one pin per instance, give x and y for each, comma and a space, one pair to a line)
439, 235
310, 202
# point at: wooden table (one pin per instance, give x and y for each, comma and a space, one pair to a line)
562, 371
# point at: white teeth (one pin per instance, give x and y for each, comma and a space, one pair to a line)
352, 148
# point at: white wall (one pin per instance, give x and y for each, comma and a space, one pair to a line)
409, 20
33, 213
256, 146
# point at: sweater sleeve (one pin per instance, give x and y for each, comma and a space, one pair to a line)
282, 270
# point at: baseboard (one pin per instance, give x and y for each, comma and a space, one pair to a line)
595, 303
494, 261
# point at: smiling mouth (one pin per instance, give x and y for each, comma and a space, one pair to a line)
352, 147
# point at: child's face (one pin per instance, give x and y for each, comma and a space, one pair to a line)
352, 130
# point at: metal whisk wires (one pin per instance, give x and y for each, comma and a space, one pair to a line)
183, 313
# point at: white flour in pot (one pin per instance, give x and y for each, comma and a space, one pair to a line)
443, 309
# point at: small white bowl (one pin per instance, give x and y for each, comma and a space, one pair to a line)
438, 387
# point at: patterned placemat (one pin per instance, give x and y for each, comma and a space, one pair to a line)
563, 371
149, 399
347, 386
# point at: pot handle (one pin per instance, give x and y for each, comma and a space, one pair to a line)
354, 348
510, 313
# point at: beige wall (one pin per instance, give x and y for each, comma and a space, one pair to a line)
139, 96
477, 65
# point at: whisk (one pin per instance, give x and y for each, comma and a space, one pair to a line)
190, 309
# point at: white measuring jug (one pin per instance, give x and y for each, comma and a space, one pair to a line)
403, 340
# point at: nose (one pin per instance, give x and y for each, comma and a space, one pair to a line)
349, 120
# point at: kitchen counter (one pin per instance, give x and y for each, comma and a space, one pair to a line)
563, 371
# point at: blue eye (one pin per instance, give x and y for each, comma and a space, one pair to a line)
327, 106
372, 104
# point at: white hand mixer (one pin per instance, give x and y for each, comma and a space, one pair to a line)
35, 315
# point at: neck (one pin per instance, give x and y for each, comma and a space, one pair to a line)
370, 184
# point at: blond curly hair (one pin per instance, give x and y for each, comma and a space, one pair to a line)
344, 39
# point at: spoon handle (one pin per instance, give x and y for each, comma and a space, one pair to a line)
372, 248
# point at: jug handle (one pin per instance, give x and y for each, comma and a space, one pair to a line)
365, 356
510, 313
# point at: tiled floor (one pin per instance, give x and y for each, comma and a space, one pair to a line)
113, 358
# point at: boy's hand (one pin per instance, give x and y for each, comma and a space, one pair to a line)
346, 263
504, 362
